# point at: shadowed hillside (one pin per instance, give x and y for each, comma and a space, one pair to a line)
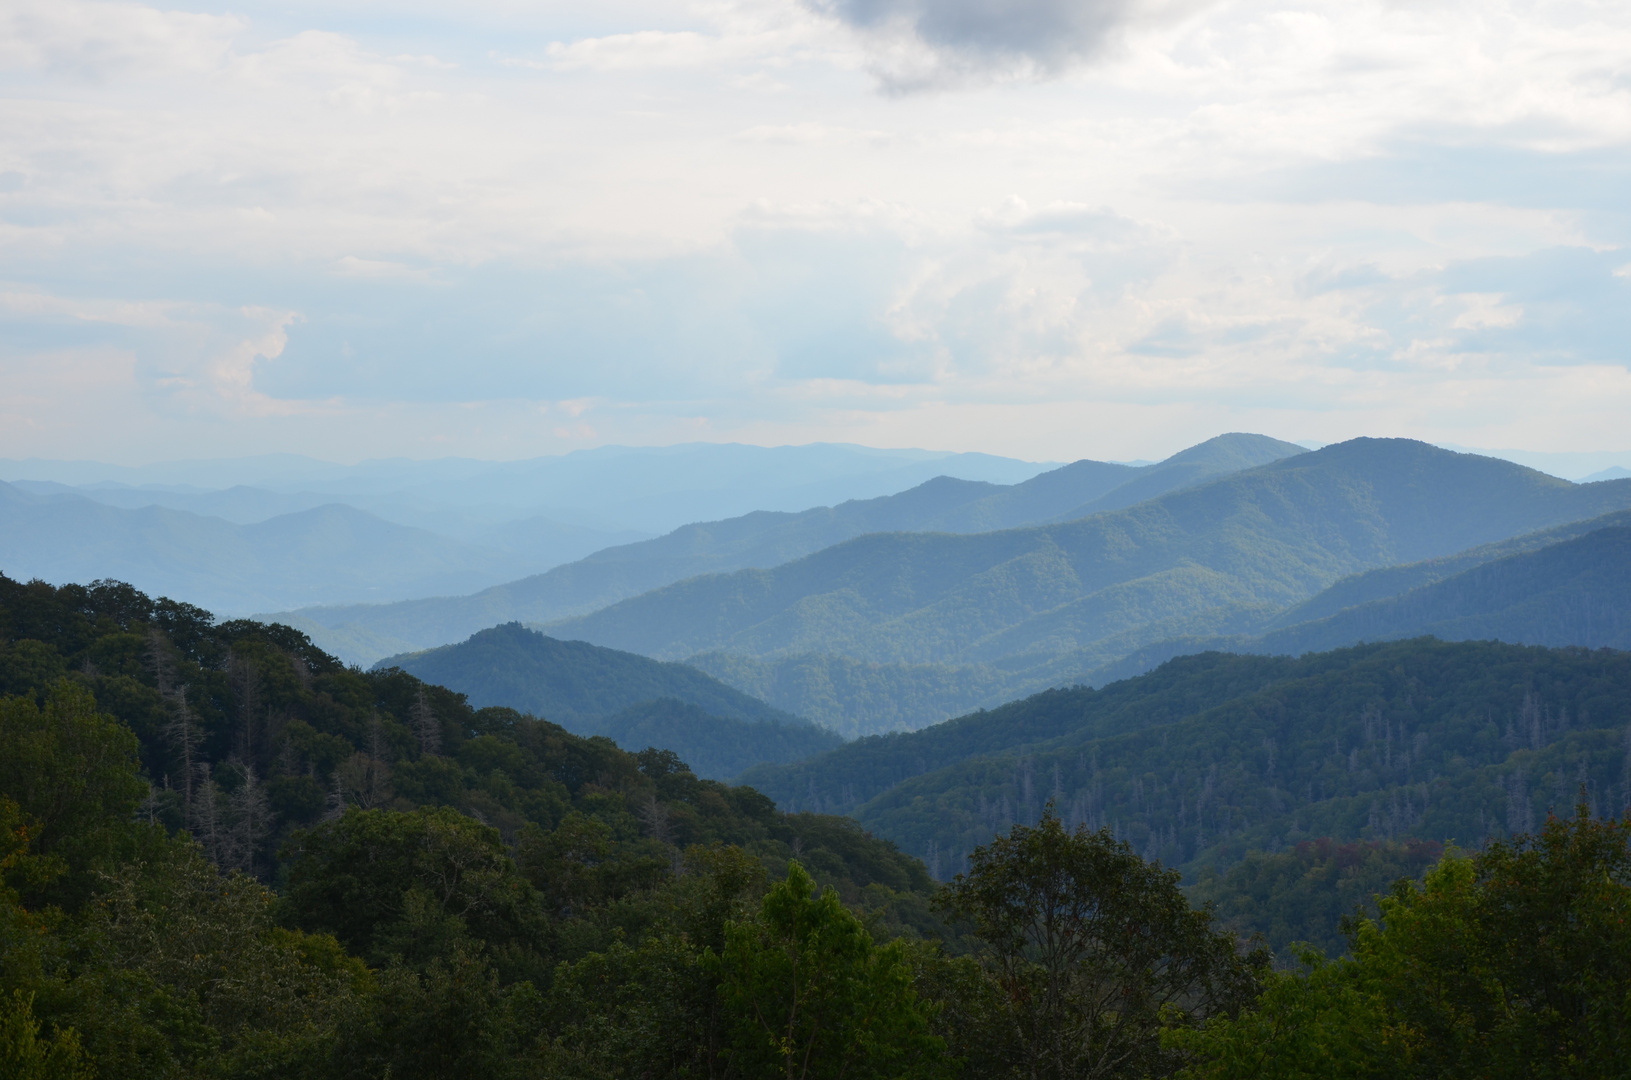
597, 691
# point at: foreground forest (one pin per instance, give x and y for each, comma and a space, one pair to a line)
222, 853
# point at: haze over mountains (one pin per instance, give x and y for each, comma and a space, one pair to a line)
236, 536
766, 539
1052, 604
891, 612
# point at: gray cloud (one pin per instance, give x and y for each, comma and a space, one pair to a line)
1042, 36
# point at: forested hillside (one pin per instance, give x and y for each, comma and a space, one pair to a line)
766, 539
591, 690
1211, 756
1565, 586
378, 881
1223, 557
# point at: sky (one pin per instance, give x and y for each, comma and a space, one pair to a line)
1048, 229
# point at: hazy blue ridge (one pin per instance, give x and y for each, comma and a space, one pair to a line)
327, 552
1215, 457
636, 701
761, 539
1420, 738
1220, 558
564, 681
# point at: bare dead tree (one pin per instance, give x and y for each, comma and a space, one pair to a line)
425, 725
204, 816
161, 663
185, 738
252, 821
247, 695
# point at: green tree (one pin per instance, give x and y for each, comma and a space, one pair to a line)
808, 994
1092, 951
416, 886
1513, 962
24, 1055
73, 772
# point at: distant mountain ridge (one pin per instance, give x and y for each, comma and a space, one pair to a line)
1216, 558
330, 551
764, 539
590, 690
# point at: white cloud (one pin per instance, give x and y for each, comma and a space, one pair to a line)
707, 213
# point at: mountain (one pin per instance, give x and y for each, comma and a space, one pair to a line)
331, 552
1577, 592
650, 489
1222, 557
1214, 755
591, 690
766, 539
569, 681
1565, 586
1614, 472
1215, 457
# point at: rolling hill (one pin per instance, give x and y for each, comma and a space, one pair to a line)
1220, 558
591, 690
765, 539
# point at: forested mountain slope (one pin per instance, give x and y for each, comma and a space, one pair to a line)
331, 552
247, 732
1218, 558
765, 539
1211, 756
1558, 587
1577, 592
592, 690
460, 892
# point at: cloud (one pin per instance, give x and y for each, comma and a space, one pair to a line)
924, 43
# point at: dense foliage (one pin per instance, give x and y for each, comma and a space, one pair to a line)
476, 893
482, 894
1302, 895
1212, 756
1514, 962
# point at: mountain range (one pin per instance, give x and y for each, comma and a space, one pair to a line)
325, 552
765, 539
282, 531
1056, 603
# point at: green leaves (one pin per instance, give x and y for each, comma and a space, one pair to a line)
411, 885
1511, 963
807, 994
24, 1055
1093, 952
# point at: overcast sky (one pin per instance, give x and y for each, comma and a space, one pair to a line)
1042, 228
